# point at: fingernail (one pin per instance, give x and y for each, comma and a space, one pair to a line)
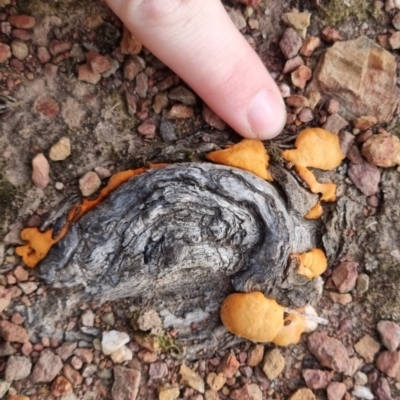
266, 115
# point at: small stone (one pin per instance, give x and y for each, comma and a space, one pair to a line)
113, 340
147, 356
168, 393
89, 183
297, 101
66, 350
394, 40
87, 318
158, 370
316, 378
21, 274
284, 89
103, 173
180, 111
21, 34
5, 52
58, 47
17, 368
6, 349
247, 392
213, 119
4, 387
5, 299
345, 276
364, 136
299, 21
331, 35
336, 391
389, 333
360, 378
13, 333
362, 392
129, 44
97, 63
332, 106
126, 383
47, 367
72, 375
335, 123
290, 43
382, 389
382, 150
388, 362
133, 66
329, 352
61, 150
301, 76
61, 386
237, 18
121, 355
215, 381
367, 347
86, 355
292, 64
19, 49
366, 177
86, 75
339, 298
148, 130
365, 122
22, 21
183, 95
228, 366
142, 85
255, 355
273, 364
306, 115
303, 394
211, 395
90, 369
310, 45
76, 362
362, 285
191, 378
28, 287
160, 102
48, 107
5, 27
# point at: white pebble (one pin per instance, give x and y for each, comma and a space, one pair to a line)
121, 355
362, 392
113, 340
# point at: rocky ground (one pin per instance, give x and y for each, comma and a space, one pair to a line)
81, 99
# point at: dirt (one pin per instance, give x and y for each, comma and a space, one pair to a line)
103, 133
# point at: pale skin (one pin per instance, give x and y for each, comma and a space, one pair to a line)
198, 41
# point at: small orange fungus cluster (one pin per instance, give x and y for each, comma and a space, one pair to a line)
39, 243
249, 155
257, 318
316, 148
311, 264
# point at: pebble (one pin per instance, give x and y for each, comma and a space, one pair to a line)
13, 333
168, 393
389, 333
72, 375
4, 387
5, 299
130, 45
299, 21
331, 35
21, 34
344, 276
290, 44
180, 111
147, 356
89, 183
22, 21
133, 66
365, 177
47, 367
97, 63
255, 355
28, 287
360, 378
306, 115
247, 392
273, 364
394, 40
191, 379
292, 64
317, 379
303, 394
329, 352
382, 150
61, 386
311, 43
102, 172
76, 362
382, 389
362, 392
365, 122
362, 285
87, 318
228, 366
121, 355
86, 75
182, 95
91, 369
160, 102
113, 340
66, 350
48, 107
335, 123
367, 347
17, 368
126, 383
237, 18
147, 129
213, 119
388, 362
57, 47
61, 150
21, 274
108, 318
158, 370
5, 52
284, 89
19, 49
142, 85
301, 76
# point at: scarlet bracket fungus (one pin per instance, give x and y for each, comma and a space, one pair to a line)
249, 155
316, 148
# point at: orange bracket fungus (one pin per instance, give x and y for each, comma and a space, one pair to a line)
248, 154
311, 264
316, 148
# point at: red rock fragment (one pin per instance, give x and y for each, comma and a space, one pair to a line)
129, 44
48, 107
180, 111
5, 52
332, 106
290, 43
336, 391
47, 367
72, 375
389, 333
366, 177
86, 75
40, 171
132, 67
212, 119
329, 352
126, 383
22, 21
57, 47
345, 276
310, 44
382, 150
229, 365
89, 183
13, 333
255, 355
148, 130
331, 34
367, 347
247, 392
61, 386
388, 362
21, 34
97, 63
292, 64
316, 378
382, 390
365, 122
43, 55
